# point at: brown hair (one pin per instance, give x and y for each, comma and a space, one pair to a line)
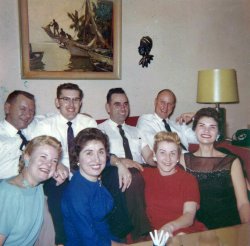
170, 137
68, 86
81, 140
207, 112
14, 94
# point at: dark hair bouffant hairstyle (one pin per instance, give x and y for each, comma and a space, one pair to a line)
82, 138
207, 112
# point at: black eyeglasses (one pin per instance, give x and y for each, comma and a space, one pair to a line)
68, 100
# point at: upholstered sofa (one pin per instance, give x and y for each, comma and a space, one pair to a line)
243, 153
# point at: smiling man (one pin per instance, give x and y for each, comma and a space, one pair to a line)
125, 140
150, 124
68, 102
19, 111
127, 143
63, 126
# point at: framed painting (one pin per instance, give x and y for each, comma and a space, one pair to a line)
70, 39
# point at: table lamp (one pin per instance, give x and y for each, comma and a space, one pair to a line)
218, 86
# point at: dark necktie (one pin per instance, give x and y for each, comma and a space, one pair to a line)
24, 140
126, 147
70, 139
169, 130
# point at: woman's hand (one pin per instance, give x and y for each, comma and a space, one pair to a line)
169, 227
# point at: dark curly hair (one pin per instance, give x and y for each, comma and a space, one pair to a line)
208, 112
82, 138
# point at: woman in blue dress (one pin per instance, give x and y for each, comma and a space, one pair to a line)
86, 202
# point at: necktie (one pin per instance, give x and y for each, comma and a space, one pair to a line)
24, 140
70, 139
126, 147
169, 130
166, 125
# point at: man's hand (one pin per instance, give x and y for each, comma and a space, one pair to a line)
131, 164
61, 174
185, 118
125, 177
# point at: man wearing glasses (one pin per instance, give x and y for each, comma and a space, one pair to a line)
68, 102
63, 125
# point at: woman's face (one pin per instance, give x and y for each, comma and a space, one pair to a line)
167, 157
42, 162
206, 130
92, 160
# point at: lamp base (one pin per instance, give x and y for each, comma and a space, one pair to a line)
222, 126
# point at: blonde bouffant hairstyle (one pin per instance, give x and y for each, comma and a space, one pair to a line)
37, 142
170, 137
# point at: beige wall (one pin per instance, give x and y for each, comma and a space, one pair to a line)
188, 35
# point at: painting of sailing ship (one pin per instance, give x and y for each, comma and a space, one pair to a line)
71, 39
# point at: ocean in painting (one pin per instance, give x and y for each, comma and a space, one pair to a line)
56, 58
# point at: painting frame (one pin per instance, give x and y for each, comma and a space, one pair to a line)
27, 73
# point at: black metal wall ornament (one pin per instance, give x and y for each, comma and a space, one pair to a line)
144, 49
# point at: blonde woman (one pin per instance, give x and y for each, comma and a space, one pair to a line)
172, 195
22, 197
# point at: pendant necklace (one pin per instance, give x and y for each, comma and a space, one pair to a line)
25, 182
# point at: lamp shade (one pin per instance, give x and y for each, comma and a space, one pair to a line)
217, 86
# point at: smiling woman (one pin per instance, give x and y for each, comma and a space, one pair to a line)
22, 198
221, 181
172, 195
86, 202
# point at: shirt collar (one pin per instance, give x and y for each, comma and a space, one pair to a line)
114, 124
64, 120
10, 128
159, 118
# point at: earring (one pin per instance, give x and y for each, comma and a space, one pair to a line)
78, 164
218, 136
26, 163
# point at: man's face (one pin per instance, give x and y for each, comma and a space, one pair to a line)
69, 103
118, 108
20, 112
164, 105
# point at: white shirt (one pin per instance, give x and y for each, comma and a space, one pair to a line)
10, 151
56, 126
10, 142
150, 124
136, 142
